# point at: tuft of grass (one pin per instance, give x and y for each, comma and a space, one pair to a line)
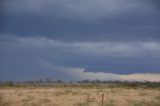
143, 94
81, 104
68, 91
34, 104
157, 97
45, 100
3, 103
145, 103
109, 103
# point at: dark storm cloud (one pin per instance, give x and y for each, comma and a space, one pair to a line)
33, 58
118, 57
96, 39
82, 20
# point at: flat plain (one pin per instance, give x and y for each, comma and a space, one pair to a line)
78, 96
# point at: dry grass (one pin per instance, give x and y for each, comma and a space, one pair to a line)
65, 96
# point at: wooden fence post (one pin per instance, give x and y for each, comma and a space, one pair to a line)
88, 99
102, 99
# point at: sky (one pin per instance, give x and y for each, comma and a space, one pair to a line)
80, 39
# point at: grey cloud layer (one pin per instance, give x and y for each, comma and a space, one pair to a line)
77, 8
80, 74
102, 36
79, 20
109, 57
124, 49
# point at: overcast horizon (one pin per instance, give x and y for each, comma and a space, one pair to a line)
80, 39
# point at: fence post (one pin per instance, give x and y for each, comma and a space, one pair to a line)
88, 99
102, 99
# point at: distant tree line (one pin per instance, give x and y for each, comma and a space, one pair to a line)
48, 81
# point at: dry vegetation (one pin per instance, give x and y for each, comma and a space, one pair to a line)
78, 96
